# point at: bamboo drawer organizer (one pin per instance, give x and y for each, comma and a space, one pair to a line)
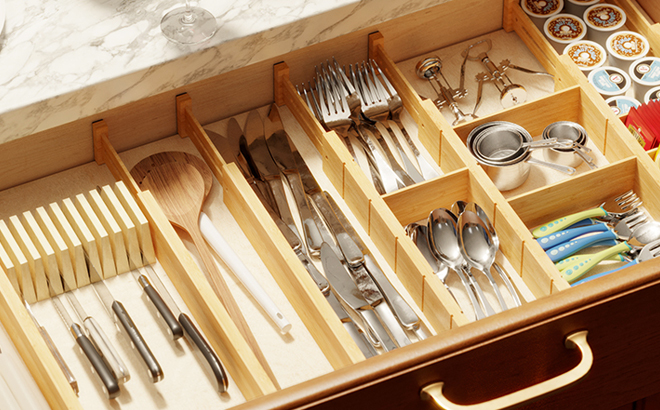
625, 166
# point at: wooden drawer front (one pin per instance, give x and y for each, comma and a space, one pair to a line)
503, 357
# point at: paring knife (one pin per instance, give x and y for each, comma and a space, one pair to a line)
100, 340
280, 148
175, 329
53, 349
229, 156
117, 311
190, 328
110, 383
254, 147
340, 279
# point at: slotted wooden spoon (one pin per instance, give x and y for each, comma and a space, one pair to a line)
180, 191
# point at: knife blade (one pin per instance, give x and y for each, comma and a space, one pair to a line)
229, 148
110, 383
402, 309
354, 256
281, 150
117, 311
100, 340
341, 282
254, 147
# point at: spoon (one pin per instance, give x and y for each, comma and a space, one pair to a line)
458, 207
475, 242
495, 244
179, 189
444, 244
419, 235
212, 235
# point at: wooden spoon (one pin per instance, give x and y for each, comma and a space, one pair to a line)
179, 189
144, 167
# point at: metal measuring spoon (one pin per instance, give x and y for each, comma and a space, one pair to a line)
475, 244
495, 244
444, 243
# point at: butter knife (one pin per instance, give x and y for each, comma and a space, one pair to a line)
341, 280
352, 253
281, 148
254, 147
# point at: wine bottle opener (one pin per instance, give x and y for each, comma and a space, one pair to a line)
510, 93
429, 69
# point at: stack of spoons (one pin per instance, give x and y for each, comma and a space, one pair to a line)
463, 239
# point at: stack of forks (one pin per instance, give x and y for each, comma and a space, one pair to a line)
353, 108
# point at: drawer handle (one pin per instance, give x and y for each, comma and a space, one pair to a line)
579, 339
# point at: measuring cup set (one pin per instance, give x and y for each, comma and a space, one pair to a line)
504, 150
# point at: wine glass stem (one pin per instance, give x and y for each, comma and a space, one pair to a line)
188, 16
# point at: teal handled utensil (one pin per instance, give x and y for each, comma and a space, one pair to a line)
648, 252
558, 238
623, 230
627, 202
577, 259
575, 272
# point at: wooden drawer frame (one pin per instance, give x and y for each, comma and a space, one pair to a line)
378, 215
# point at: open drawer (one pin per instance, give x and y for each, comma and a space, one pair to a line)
478, 361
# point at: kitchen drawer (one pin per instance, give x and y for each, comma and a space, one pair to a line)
478, 361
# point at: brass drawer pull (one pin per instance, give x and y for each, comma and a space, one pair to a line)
579, 339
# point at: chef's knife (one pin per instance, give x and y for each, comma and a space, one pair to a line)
191, 330
100, 340
117, 311
255, 149
110, 384
341, 282
280, 148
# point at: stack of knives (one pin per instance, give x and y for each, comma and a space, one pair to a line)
370, 308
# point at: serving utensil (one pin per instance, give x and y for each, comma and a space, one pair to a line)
179, 189
212, 235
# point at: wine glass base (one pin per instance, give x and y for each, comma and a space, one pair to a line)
188, 25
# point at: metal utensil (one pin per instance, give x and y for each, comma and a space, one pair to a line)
396, 107
100, 340
495, 246
429, 69
476, 247
118, 312
340, 278
187, 324
420, 237
110, 384
280, 148
444, 242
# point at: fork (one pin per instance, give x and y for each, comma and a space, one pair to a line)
378, 110
396, 107
347, 100
333, 111
371, 107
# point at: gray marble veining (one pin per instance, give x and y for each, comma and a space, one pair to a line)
64, 60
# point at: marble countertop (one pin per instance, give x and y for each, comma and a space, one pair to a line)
68, 59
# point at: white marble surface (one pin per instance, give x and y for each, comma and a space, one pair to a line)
68, 59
